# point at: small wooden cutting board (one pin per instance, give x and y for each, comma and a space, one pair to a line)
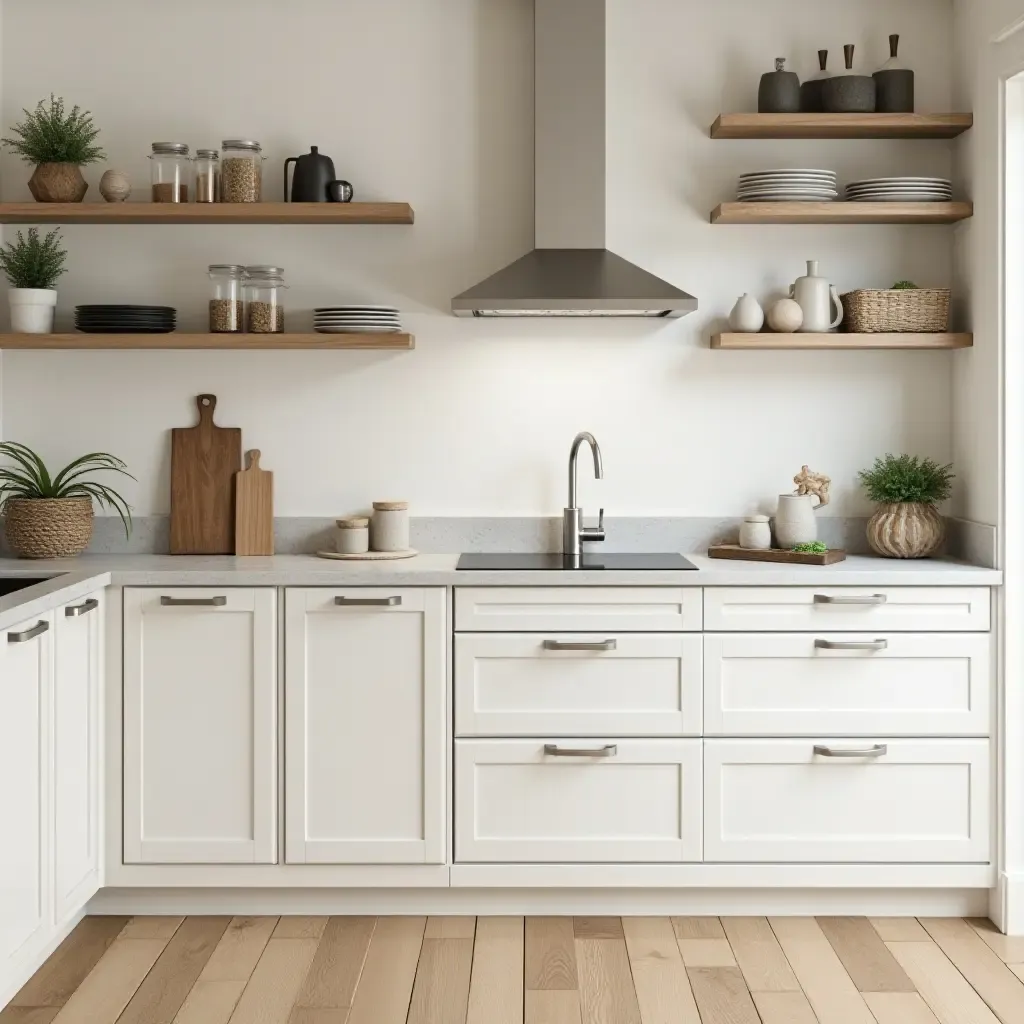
204, 461
734, 551
254, 508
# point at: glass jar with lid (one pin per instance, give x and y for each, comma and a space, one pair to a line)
227, 308
241, 171
207, 176
170, 172
264, 300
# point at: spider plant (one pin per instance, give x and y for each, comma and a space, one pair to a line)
29, 479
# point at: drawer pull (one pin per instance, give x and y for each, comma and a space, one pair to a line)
74, 610
554, 750
28, 634
591, 645
851, 645
872, 600
368, 602
193, 602
878, 750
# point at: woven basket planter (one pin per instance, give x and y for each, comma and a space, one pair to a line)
906, 530
896, 311
48, 527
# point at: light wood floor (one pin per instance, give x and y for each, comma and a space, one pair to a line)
546, 970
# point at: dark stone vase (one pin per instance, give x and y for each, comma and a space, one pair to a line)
779, 92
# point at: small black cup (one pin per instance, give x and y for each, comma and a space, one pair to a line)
339, 192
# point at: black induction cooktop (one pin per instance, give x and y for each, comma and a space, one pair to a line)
503, 561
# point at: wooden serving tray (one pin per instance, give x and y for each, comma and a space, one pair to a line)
734, 551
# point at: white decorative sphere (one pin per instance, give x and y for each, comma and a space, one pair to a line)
115, 186
785, 316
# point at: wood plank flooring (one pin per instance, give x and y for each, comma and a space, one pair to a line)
537, 970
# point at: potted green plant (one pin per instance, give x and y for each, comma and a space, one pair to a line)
32, 266
907, 488
58, 144
52, 517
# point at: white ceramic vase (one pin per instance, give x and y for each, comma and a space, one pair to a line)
794, 520
747, 316
816, 299
32, 310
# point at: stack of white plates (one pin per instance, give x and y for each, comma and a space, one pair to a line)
787, 185
900, 190
356, 320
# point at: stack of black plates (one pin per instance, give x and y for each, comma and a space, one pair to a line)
125, 319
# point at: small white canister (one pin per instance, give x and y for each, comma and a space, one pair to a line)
353, 536
756, 533
389, 528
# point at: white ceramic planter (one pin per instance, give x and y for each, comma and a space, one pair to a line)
32, 310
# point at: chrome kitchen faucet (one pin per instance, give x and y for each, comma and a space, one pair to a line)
574, 533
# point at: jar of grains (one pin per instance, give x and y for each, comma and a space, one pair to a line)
207, 176
171, 172
226, 306
264, 300
241, 171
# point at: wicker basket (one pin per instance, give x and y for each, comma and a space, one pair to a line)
896, 311
48, 527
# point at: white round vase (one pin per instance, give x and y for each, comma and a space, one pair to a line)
747, 316
32, 310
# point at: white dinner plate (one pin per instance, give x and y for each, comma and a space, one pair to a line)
355, 309
789, 188
788, 197
357, 329
787, 182
898, 199
816, 193
904, 181
341, 320
800, 172
900, 192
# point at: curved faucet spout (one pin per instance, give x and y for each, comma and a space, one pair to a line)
595, 448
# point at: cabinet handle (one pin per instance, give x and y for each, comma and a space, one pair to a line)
28, 634
74, 610
871, 600
194, 602
591, 645
878, 750
368, 602
851, 645
554, 750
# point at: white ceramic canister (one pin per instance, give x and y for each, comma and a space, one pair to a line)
794, 521
756, 533
389, 528
353, 536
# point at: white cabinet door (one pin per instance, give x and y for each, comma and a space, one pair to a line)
200, 726
78, 667
365, 721
25, 697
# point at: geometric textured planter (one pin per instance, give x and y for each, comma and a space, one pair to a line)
58, 183
48, 527
906, 530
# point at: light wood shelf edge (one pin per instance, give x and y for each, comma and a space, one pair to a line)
841, 342
840, 126
841, 213
207, 342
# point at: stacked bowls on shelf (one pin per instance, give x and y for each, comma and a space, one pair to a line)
900, 190
356, 320
788, 185
125, 319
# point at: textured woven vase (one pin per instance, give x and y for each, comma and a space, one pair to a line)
48, 527
906, 530
58, 183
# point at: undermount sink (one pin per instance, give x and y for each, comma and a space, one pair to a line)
12, 584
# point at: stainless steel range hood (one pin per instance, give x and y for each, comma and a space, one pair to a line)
570, 272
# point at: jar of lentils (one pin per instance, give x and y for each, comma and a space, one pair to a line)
207, 176
264, 300
241, 171
227, 309
170, 172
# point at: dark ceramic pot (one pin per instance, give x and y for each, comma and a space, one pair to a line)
849, 93
811, 101
779, 92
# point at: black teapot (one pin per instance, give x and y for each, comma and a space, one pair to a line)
311, 179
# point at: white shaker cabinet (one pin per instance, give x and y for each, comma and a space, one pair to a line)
200, 725
365, 725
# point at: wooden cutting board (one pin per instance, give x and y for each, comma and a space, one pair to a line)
776, 555
204, 461
254, 508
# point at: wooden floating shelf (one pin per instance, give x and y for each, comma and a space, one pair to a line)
210, 342
842, 342
206, 213
841, 213
841, 126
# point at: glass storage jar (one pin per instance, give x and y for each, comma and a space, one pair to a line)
227, 309
241, 171
264, 300
170, 172
207, 176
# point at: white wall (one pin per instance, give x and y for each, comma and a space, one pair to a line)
432, 103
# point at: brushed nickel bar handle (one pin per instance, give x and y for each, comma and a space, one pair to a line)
368, 602
554, 750
872, 600
194, 602
878, 750
28, 634
74, 610
590, 645
851, 645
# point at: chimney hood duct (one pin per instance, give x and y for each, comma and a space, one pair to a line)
570, 272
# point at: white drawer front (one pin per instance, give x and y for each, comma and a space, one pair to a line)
794, 685
902, 609
516, 803
777, 801
578, 609
564, 684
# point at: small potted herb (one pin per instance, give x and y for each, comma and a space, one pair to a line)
58, 144
907, 488
32, 266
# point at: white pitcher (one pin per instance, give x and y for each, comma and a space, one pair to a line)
794, 520
816, 297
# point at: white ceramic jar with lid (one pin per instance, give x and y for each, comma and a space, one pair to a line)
756, 533
353, 536
389, 528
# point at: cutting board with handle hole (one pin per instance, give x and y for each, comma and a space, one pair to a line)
204, 461
254, 508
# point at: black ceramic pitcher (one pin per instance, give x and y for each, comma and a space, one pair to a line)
313, 174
